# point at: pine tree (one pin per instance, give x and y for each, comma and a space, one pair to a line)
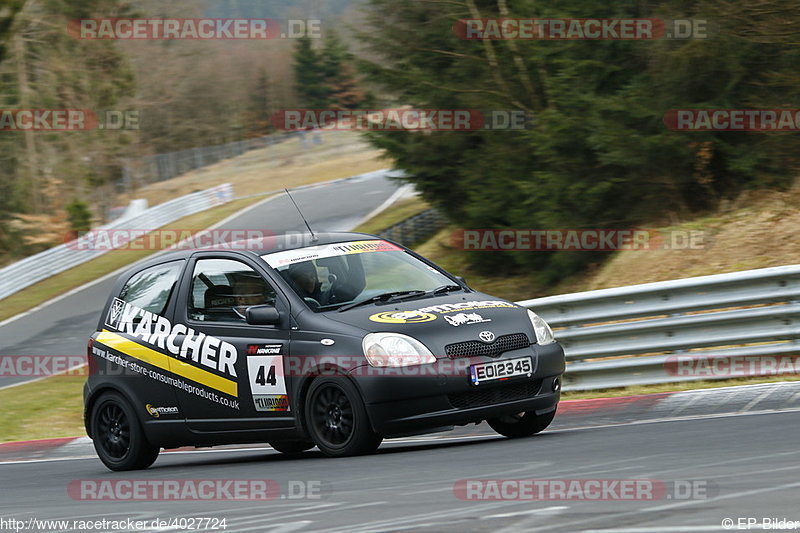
309, 76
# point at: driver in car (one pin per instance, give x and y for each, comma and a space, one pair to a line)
304, 276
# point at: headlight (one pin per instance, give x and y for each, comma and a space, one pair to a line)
395, 349
544, 335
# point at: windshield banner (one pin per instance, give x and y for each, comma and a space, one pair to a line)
311, 253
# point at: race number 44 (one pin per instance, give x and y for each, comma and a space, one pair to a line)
266, 374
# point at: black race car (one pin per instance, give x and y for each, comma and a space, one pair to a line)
335, 340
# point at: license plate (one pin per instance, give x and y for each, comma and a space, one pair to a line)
498, 370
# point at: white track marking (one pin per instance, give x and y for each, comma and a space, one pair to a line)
757, 399
544, 510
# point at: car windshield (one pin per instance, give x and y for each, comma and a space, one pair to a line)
332, 276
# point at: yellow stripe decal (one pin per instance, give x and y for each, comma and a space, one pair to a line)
170, 364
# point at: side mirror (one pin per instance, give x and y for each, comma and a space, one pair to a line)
263, 315
462, 281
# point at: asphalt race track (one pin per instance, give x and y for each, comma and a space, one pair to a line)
63, 327
747, 466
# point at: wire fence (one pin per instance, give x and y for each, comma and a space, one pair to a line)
137, 172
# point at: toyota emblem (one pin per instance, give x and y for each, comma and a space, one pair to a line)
486, 336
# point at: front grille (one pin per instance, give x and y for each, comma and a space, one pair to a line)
504, 393
502, 344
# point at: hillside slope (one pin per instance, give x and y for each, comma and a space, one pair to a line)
758, 230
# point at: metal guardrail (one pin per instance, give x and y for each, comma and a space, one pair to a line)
650, 333
38, 267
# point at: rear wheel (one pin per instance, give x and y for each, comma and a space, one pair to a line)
521, 424
292, 446
117, 435
337, 419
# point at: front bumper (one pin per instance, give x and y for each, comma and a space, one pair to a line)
426, 397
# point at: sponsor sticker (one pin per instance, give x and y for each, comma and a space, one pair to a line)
156, 412
264, 349
159, 332
271, 402
402, 317
426, 314
155, 340
460, 319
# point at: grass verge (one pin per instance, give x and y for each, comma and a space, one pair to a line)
48, 408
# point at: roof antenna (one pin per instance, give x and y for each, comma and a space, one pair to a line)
313, 236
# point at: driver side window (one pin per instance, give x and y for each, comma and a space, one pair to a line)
223, 289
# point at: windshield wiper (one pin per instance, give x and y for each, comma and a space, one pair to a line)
446, 288
385, 297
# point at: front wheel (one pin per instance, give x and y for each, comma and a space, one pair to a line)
337, 419
117, 435
521, 424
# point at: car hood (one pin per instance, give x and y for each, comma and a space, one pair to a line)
442, 320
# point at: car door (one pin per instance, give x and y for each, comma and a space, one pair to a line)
239, 382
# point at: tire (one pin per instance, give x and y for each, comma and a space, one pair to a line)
337, 420
292, 447
117, 435
521, 424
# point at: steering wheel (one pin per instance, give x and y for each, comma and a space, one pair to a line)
312, 303
331, 292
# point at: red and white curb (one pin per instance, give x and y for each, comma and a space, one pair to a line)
594, 412
67, 447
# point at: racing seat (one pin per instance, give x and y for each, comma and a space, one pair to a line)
218, 304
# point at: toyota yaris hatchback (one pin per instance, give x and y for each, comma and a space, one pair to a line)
337, 343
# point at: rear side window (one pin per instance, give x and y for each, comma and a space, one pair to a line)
151, 288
